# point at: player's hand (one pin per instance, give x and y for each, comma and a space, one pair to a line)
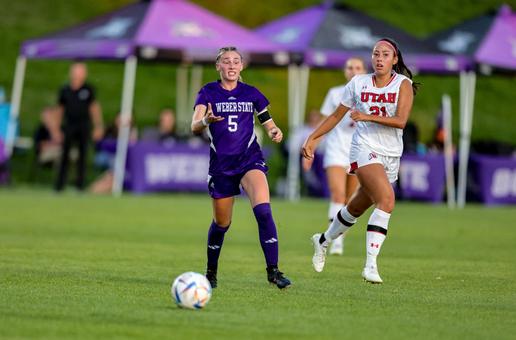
275, 134
307, 163
308, 149
358, 116
209, 117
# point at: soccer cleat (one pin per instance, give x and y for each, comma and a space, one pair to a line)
319, 253
276, 277
211, 275
370, 274
337, 246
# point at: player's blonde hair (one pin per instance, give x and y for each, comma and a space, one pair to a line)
223, 50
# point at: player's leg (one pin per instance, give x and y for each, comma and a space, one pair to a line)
336, 178
63, 164
82, 139
222, 190
344, 220
375, 182
222, 212
255, 185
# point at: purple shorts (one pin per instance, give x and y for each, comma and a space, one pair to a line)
221, 186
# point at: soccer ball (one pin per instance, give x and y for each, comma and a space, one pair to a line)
191, 290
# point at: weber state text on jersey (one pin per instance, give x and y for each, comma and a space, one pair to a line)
362, 94
233, 142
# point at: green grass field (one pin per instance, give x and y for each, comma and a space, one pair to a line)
78, 266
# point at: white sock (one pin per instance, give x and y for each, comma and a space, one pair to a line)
343, 221
333, 209
375, 235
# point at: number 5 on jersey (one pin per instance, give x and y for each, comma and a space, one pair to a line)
232, 123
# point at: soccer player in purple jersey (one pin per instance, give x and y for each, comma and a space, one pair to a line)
226, 108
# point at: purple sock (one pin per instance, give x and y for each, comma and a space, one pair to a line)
215, 240
267, 232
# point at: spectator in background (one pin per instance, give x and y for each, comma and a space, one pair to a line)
411, 143
165, 131
105, 157
80, 110
48, 137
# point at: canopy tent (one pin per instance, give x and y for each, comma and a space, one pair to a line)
326, 35
173, 30
488, 41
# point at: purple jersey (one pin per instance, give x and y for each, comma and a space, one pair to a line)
233, 142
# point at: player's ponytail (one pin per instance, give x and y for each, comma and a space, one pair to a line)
400, 66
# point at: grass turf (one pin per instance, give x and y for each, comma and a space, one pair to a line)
88, 267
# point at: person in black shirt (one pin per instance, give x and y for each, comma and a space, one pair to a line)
80, 111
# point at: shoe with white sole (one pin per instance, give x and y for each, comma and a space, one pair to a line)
319, 253
337, 246
370, 274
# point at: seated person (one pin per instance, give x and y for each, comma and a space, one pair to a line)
48, 137
105, 156
165, 131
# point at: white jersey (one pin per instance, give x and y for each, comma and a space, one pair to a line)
361, 92
338, 140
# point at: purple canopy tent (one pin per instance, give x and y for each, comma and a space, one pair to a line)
173, 30
326, 35
489, 41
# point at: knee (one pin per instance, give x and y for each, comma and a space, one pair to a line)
222, 221
386, 203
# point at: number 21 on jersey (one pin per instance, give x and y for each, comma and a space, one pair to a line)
378, 111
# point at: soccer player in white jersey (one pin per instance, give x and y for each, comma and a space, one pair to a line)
380, 103
336, 151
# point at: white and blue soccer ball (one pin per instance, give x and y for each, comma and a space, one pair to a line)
191, 290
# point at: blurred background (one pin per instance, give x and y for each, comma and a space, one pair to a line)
156, 86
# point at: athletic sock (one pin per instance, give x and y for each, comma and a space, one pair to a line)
375, 235
333, 209
267, 232
215, 239
342, 222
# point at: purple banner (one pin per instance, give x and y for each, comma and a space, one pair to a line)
422, 177
495, 179
177, 167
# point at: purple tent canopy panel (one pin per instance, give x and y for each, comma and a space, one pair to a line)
298, 33
499, 46
76, 48
177, 25
109, 36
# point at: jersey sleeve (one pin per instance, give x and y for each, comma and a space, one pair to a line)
348, 98
260, 101
327, 107
202, 99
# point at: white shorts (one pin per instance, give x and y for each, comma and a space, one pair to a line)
336, 153
361, 155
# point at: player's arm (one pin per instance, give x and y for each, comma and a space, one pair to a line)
399, 120
273, 131
326, 125
202, 117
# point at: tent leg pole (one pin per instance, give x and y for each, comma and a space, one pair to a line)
16, 95
125, 124
448, 151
